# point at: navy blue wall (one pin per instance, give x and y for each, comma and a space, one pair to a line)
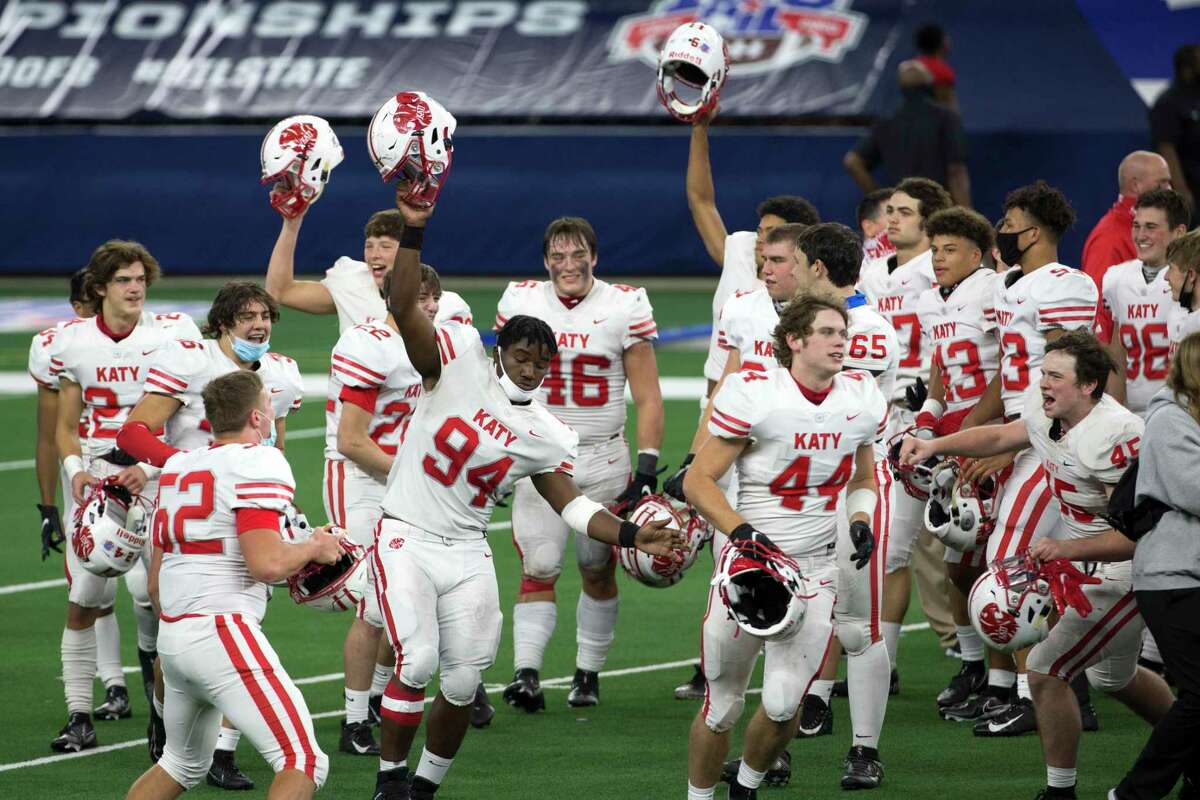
196, 202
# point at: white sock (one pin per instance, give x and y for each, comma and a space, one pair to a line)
1150, 647
108, 651
357, 705
147, 627
228, 738
822, 689
1060, 777
79, 668
596, 624
750, 778
533, 625
867, 682
891, 635
379, 680
1023, 686
969, 643
696, 793
433, 767
1001, 678
384, 766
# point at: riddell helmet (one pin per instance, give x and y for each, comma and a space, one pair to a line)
915, 478
696, 56
1010, 604
332, 587
297, 156
762, 590
110, 530
959, 513
662, 571
411, 137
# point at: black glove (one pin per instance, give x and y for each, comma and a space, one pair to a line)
915, 396
640, 485
745, 534
673, 485
52, 530
864, 543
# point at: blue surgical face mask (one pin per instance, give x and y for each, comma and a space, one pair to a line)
249, 351
269, 441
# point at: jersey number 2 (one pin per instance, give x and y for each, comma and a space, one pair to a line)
168, 529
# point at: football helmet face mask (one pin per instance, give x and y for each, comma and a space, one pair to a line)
110, 530
663, 571
696, 56
1010, 604
297, 156
915, 478
331, 587
411, 137
959, 513
762, 589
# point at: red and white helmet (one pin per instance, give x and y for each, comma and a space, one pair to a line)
411, 137
297, 156
696, 56
762, 589
959, 513
915, 478
110, 530
663, 571
1010, 604
332, 587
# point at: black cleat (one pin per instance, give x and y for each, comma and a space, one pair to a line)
840, 689
1087, 716
778, 775
375, 709
984, 705
482, 709
224, 773
78, 734
816, 718
1018, 719
357, 739
970, 679
739, 792
1056, 793
391, 785
146, 662
693, 688
525, 691
115, 706
585, 689
156, 736
862, 768
422, 789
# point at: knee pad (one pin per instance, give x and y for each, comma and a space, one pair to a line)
458, 684
781, 696
722, 709
855, 635
1107, 679
591, 554
418, 667
136, 583
321, 770
542, 563
185, 774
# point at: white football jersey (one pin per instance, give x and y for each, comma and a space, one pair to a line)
872, 346
877, 247
1093, 453
894, 291
1181, 324
1141, 315
800, 455
960, 330
195, 526
369, 364
586, 383
747, 325
739, 273
39, 354
357, 298
182, 369
111, 373
1027, 306
467, 444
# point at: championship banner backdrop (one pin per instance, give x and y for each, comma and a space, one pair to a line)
111, 60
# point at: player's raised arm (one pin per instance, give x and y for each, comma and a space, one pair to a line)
701, 194
310, 297
586, 515
415, 327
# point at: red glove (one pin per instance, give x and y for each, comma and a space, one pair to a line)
1066, 586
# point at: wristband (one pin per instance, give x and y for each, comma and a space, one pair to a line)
412, 238
934, 407
647, 462
73, 465
152, 472
628, 533
861, 500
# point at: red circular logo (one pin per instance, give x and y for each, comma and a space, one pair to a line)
997, 624
82, 542
412, 113
299, 137
396, 543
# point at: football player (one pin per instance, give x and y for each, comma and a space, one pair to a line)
1036, 301
476, 431
373, 391
1085, 441
100, 364
957, 318
1183, 266
1135, 298
605, 334
893, 285
872, 222
799, 433
240, 321
217, 545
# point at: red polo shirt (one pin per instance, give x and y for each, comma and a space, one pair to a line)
1110, 243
